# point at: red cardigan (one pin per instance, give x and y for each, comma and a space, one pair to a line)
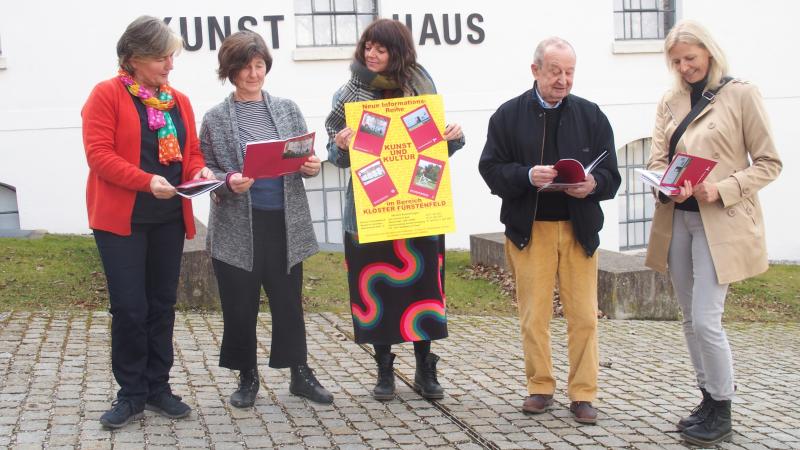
112, 141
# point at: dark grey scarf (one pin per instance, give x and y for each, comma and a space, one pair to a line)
365, 85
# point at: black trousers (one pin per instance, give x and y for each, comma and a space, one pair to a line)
239, 292
142, 273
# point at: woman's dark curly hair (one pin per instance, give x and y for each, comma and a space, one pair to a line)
397, 39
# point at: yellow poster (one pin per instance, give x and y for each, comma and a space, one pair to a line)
399, 168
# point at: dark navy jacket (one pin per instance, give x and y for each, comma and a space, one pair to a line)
514, 145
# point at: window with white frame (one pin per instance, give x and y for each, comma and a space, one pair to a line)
9, 212
643, 19
332, 23
326, 199
636, 204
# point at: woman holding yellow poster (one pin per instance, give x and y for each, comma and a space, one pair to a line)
396, 286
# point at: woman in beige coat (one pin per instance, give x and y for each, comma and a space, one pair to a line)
710, 234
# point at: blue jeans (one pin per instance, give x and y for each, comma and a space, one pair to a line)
142, 273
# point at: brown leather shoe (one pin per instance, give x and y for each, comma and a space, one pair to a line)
537, 403
583, 412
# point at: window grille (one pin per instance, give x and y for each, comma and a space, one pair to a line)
643, 19
327, 23
635, 202
326, 199
9, 211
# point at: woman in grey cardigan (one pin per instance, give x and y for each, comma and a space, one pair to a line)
259, 230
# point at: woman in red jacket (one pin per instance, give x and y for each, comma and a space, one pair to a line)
140, 141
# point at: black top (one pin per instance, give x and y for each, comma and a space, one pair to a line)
552, 205
690, 204
149, 209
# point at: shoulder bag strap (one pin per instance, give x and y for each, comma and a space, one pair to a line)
705, 99
701, 104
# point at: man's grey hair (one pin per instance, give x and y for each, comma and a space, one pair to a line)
552, 41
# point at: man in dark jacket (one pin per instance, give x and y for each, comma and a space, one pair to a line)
553, 233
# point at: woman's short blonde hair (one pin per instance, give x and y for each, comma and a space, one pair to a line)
692, 33
146, 37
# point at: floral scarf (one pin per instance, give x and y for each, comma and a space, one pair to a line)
158, 117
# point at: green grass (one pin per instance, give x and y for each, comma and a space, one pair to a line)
773, 296
54, 272
472, 296
325, 283
63, 272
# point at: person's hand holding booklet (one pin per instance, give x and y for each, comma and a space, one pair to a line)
684, 167
571, 173
193, 188
271, 159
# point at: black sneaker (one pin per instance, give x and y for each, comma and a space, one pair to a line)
121, 413
168, 405
304, 384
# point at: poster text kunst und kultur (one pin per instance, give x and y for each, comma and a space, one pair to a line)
399, 168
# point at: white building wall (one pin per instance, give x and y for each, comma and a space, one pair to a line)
56, 51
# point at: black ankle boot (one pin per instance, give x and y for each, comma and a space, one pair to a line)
245, 396
699, 413
305, 384
384, 388
715, 429
425, 381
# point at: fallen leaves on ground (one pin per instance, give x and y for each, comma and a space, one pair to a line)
505, 281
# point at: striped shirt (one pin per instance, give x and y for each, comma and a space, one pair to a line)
255, 124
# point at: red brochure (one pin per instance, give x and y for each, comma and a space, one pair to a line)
421, 129
371, 133
427, 176
682, 168
271, 159
377, 183
571, 173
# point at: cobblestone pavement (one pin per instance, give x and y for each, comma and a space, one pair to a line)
55, 381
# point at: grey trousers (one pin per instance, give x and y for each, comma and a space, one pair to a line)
702, 301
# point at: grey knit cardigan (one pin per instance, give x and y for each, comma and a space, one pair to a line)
230, 223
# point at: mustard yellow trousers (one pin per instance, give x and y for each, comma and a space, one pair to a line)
554, 252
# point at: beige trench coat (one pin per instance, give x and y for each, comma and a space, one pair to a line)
733, 127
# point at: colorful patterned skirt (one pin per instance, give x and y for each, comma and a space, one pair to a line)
396, 289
